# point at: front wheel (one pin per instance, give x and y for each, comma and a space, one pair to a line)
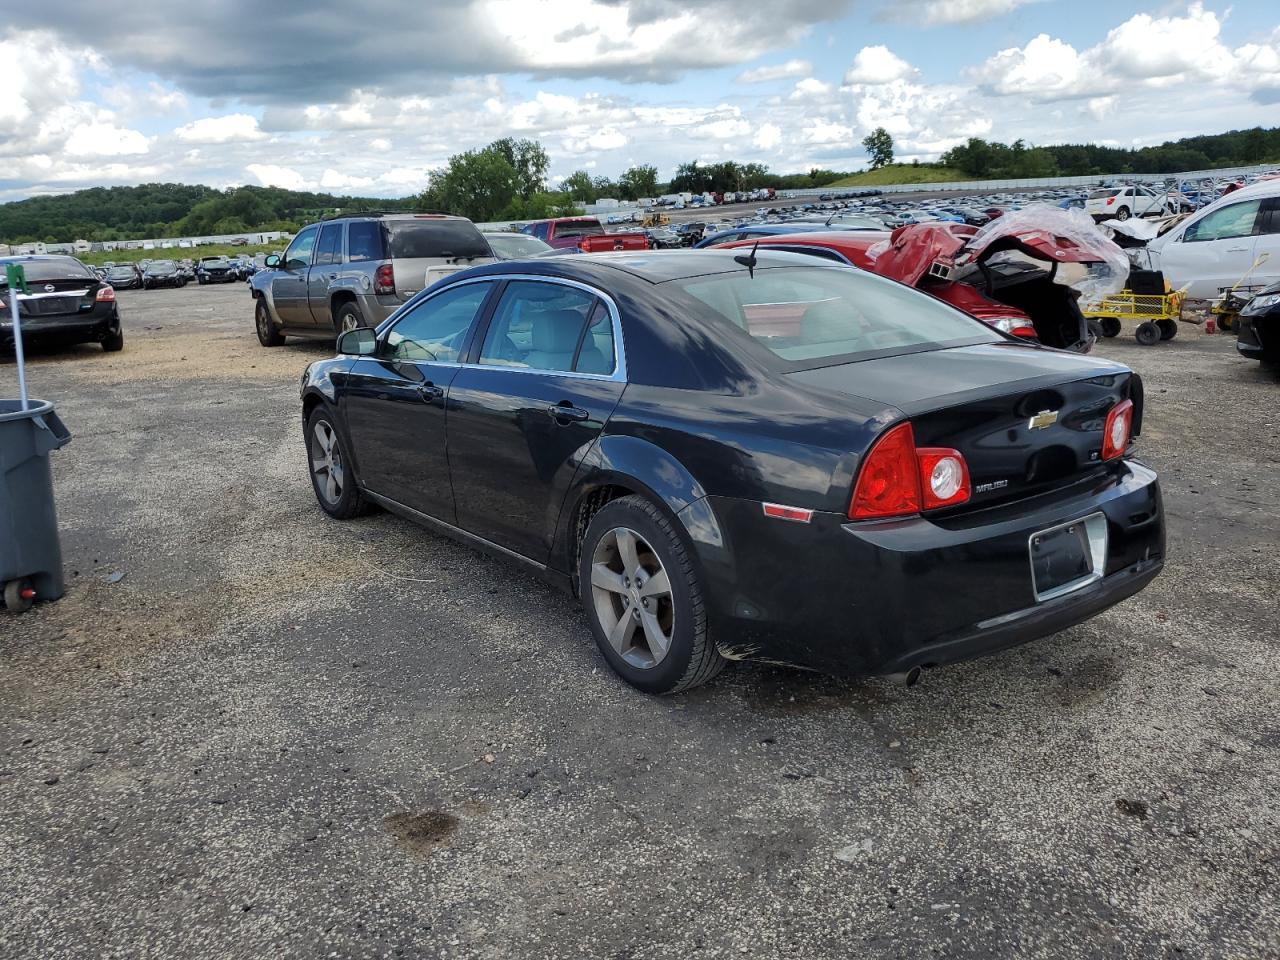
1110, 326
1168, 328
332, 478
269, 334
643, 600
1147, 333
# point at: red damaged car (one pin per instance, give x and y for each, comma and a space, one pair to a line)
1023, 274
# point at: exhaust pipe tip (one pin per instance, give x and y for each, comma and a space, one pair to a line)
908, 679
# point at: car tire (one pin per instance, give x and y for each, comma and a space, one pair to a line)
657, 641
200, 280
113, 342
14, 601
1147, 333
347, 318
269, 334
1168, 328
332, 477
1122, 214
1110, 326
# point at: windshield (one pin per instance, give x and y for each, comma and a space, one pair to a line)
41, 271
579, 228
120, 272
421, 239
803, 314
161, 266
213, 261
509, 246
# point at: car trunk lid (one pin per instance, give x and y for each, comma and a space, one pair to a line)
1026, 419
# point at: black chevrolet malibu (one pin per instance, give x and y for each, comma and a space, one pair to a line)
67, 303
733, 457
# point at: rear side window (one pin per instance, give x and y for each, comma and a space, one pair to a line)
329, 247
435, 239
551, 327
803, 314
364, 241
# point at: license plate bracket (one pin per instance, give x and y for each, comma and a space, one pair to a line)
1068, 557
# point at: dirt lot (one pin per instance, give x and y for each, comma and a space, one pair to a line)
278, 735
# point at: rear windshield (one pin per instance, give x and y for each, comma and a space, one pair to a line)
579, 228
1102, 194
61, 268
806, 314
420, 239
512, 245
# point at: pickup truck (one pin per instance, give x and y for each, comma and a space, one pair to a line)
585, 234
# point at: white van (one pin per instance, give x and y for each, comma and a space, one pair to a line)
1216, 247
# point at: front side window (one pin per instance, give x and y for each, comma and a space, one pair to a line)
803, 314
543, 326
299, 253
1235, 220
436, 329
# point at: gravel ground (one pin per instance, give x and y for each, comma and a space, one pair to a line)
278, 735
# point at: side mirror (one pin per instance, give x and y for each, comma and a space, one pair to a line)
272, 261
360, 342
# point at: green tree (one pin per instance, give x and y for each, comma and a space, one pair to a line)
579, 186
530, 162
879, 146
478, 184
637, 182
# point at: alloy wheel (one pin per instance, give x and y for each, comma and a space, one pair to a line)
326, 462
350, 321
631, 593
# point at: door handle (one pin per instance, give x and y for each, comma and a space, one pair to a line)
565, 410
429, 391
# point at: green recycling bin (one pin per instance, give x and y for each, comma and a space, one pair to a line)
30, 554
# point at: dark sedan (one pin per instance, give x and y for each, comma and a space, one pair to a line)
124, 276
66, 303
1258, 328
163, 273
216, 270
730, 456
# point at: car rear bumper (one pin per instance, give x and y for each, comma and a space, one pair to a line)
68, 329
881, 597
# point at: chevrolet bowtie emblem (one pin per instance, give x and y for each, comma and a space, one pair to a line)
1043, 419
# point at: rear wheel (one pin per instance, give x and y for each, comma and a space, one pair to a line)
1110, 326
643, 599
1168, 328
1147, 333
348, 318
268, 334
332, 478
113, 341
1122, 213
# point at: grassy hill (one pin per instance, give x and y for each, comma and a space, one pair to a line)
896, 173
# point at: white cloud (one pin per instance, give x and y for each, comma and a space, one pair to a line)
274, 175
767, 137
811, 88
779, 71
932, 13
101, 139
233, 128
878, 64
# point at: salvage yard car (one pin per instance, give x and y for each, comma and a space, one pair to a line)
163, 273
515, 246
1258, 328
216, 270
124, 276
584, 234
67, 304
730, 455
355, 271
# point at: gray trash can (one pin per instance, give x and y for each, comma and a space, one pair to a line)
30, 555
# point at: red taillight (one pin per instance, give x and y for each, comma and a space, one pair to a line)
944, 477
1110, 201
898, 479
384, 279
1115, 433
105, 294
889, 482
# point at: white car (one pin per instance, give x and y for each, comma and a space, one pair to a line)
1121, 203
1235, 239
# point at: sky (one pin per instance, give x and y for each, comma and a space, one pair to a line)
366, 98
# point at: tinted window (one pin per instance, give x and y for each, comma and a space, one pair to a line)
539, 326
538, 230
364, 241
720, 238
414, 239
579, 228
329, 248
1234, 220
59, 268
810, 313
299, 252
436, 328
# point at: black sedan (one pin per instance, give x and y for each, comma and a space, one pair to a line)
730, 456
163, 273
1258, 328
124, 276
66, 303
216, 270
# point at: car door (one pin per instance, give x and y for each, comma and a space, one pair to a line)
323, 271
394, 402
1266, 250
289, 284
1213, 251
541, 385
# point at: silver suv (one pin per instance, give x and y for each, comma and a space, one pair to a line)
354, 271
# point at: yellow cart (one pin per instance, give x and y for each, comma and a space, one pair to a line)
1157, 314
